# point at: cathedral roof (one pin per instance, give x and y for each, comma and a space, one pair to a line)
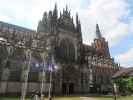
16, 27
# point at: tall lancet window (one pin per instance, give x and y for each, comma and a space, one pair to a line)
66, 50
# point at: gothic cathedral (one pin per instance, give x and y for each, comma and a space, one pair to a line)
81, 68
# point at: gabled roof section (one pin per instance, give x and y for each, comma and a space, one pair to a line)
124, 72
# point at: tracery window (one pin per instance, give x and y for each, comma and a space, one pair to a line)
67, 50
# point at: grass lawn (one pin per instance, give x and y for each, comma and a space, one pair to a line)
10, 98
73, 98
55, 98
67, 98
111, 98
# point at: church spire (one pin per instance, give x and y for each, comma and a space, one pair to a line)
98, 33
55, 12
66, 8
101, 44
77, 20
78, 25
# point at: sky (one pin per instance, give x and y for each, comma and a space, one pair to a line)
115, 19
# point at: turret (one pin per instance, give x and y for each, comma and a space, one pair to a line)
44, 19
42, 25
54, 19
60, 13
66, 8
55, 12
39, 26
78, 25
50, 21
77, 20
98, 33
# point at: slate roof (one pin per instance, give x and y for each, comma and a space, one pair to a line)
124, 72
4, 24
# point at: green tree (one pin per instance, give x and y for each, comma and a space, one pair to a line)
130, 84
125, 84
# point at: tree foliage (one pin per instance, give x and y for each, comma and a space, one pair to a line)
125, 84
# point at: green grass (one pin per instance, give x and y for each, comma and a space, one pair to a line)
111, 98
67, 98
55, 98
10, 98
74, 98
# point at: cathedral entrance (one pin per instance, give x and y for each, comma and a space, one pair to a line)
68, 88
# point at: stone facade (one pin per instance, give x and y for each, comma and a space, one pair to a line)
82, 69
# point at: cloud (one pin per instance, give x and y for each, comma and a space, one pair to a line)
5, 18
126, 58
107, 13
39, 6
15, 11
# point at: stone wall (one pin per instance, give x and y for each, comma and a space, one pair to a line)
15, 87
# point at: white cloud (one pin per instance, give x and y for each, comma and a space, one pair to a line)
4, 18
108, 14
105, 12
126, 58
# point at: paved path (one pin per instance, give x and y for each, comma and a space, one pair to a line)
87, 98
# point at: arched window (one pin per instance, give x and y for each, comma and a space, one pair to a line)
66, 50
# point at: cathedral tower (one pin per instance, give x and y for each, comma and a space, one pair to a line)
100, 43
